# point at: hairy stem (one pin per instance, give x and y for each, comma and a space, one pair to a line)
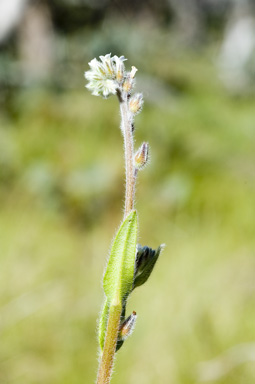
106, 363
126, 126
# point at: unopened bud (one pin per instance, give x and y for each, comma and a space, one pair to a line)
128, 84
141, 156
127, 327
136, 103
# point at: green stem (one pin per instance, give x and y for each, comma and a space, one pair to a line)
106, 363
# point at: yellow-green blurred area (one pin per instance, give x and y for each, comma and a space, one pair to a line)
61, 201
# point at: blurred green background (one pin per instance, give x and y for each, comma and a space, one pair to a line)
62, 186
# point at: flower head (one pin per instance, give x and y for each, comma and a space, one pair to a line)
104, 77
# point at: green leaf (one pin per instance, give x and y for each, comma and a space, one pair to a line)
119, 274
103, 324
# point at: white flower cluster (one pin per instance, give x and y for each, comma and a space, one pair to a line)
106, 76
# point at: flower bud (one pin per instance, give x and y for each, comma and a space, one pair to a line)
141, 156
128, 84
136, 103
127, 327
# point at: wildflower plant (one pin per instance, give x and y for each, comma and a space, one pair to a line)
129, 264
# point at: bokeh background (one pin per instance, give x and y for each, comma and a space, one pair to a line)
62, 186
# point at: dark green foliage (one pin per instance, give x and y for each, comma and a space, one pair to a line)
146, 259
